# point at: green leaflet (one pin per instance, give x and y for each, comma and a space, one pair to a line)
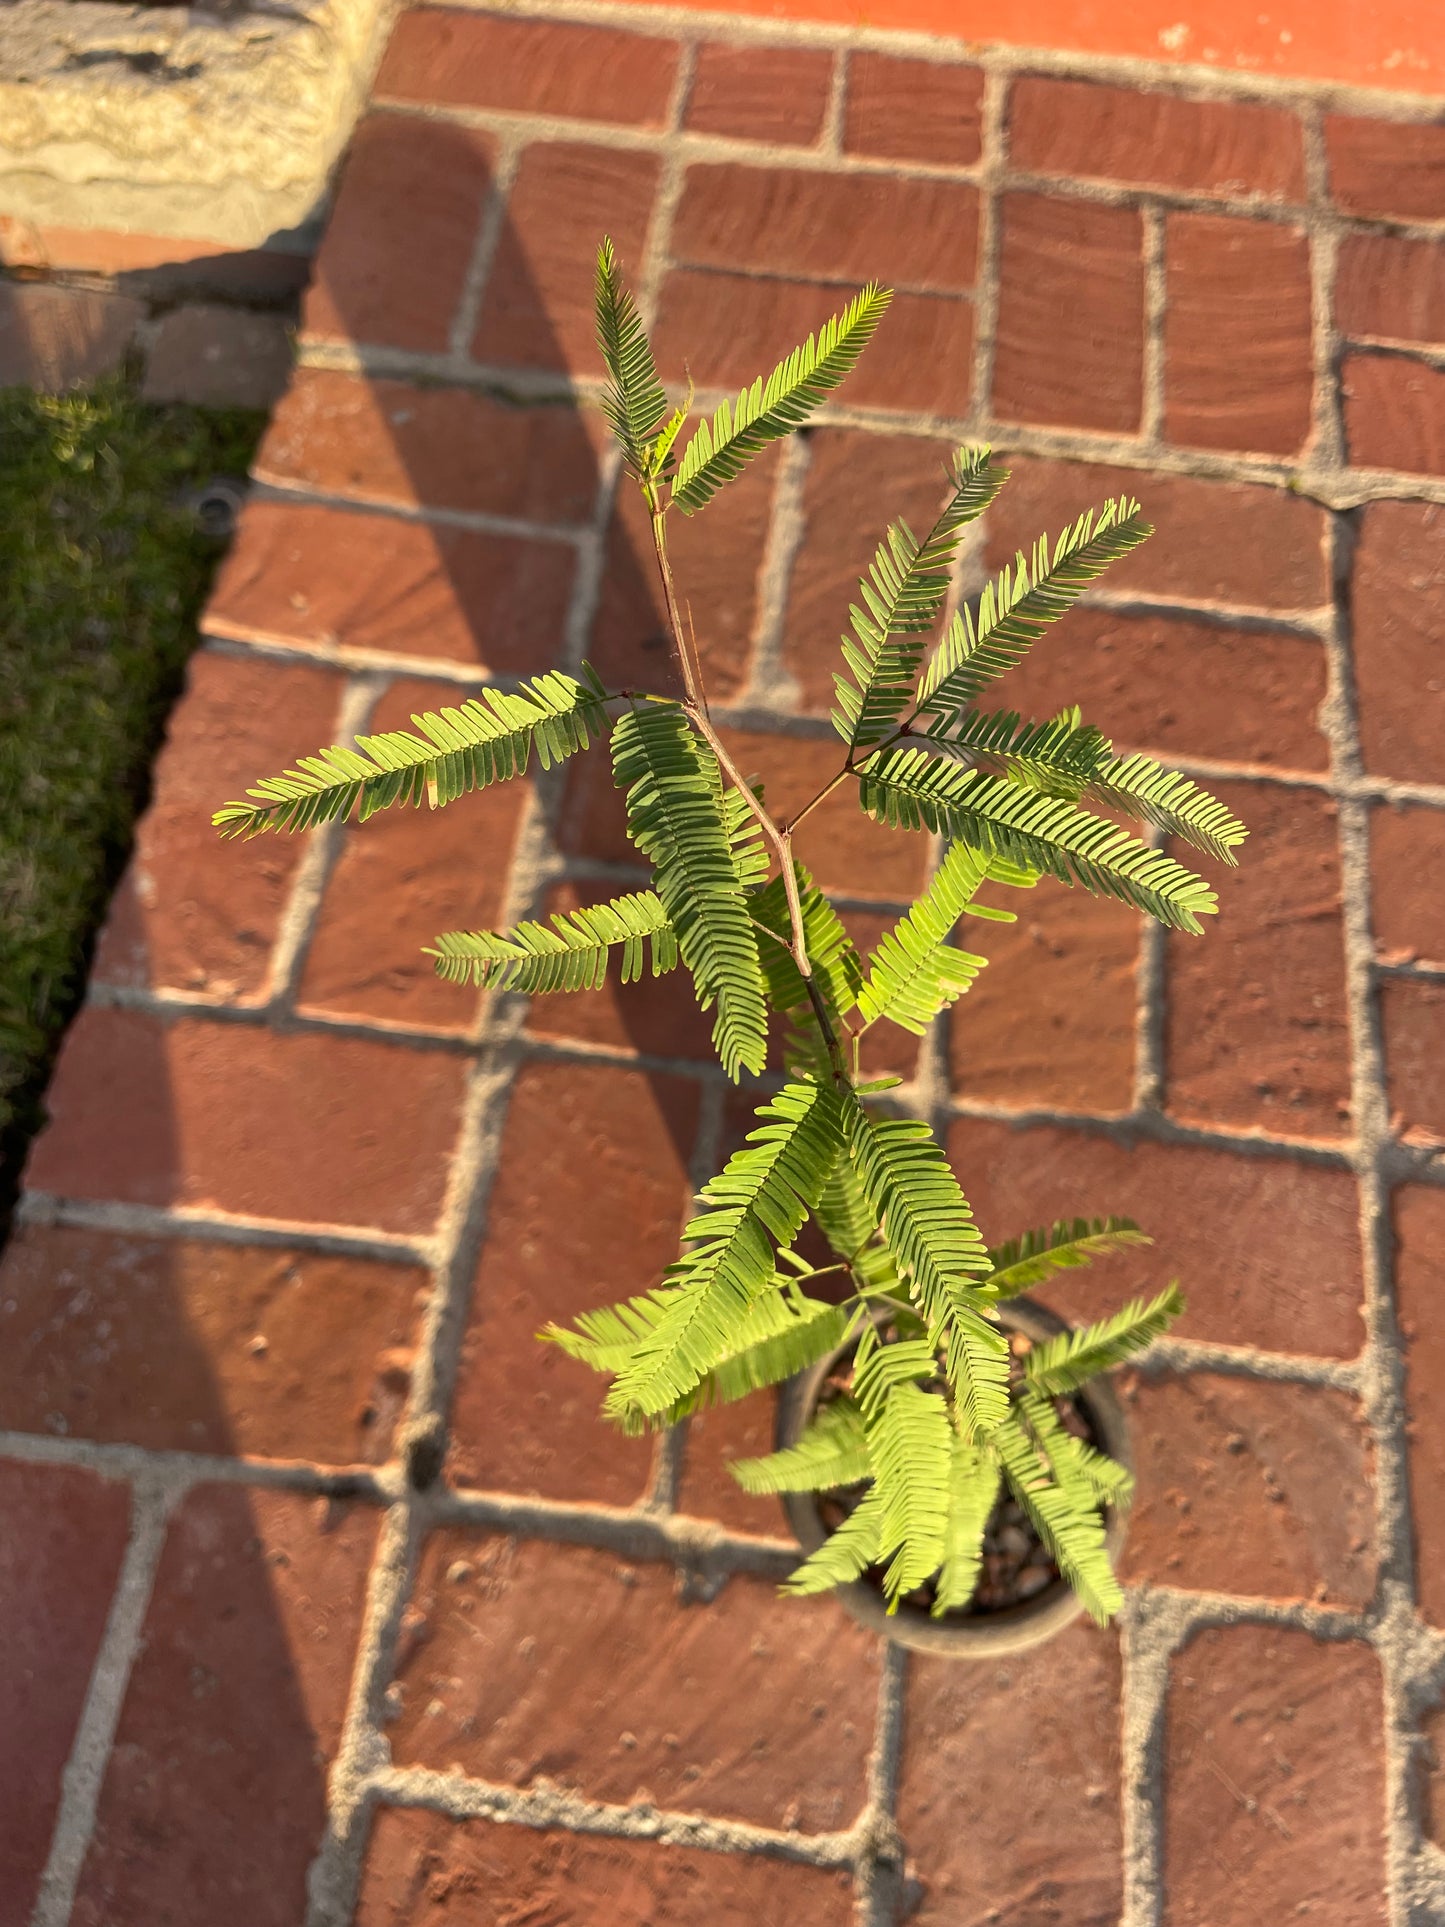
677, 818
929, 1229
571, 954
914, 790
833, 1451
634, 403
1060, 1365
1027, 1261
769, 410
914, 972
973, 1486
1016, 609
903, 593
758, 1200
485, 740
837, 969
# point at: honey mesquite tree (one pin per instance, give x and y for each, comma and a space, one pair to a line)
936, 1420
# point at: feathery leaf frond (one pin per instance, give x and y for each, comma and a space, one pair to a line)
486, 740
769, 410
910, 789
1073, 1532
843, 1554
973, 1485
1061, 1365
837, 967
763, 1193
915, 972
1015, 610
676, 817
634, 403
910, 1447
570, 954
1027, 1261
832, 1452
1167, 800
903, 593
1056, 757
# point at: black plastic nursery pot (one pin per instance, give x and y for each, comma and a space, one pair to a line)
981, 1632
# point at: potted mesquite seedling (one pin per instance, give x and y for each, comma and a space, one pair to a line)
949, 1453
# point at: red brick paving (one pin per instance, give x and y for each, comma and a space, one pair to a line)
301, 1209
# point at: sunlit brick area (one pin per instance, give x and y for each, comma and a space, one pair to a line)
364, 1617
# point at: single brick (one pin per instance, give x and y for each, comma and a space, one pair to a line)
62, 1537
1237, 334
217, 357
587, 1208
532, 1661
1274, 1779
434, 870
537, 308
1394, 413
327, 578
1182, 689
1050, 1022
1391, 287
855, 485
399, 243
1266, 1249
1419, 1224
913, 110
168, 261
717, 561
1397, 608
1407, 852
1070, 347
727, 329
919, 234
134, 1117
1387, 166
716, 1438
656, 1015
214, 1798
1213, 541
54, 338
183, 1346
773, 94
193, 913
1250, 1487
1044, 1838
1413, 1015
418, 1863
1082, 128
444, 58
445, 448
1256, 1030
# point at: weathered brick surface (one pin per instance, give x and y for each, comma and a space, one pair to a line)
1391, 286
1407, 845
218, 357
392, 267
1413, 1016
1237, 334
1256, 1031
1048, 1843
537, 306
54, 338
748, 93
913, 110
1097, 132
1266, 1249
455, 59
1394, 413
1263, 1490
1419, 1228
177, 1345
135, 1117
193, 913
1386, 167
586, 1209
329, 578
1275, 1781
530, 1661
1397, 602
387, 441
1070, 349
62, 1538
214, 1798
420, 1866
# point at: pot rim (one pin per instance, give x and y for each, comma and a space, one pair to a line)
959, 1635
